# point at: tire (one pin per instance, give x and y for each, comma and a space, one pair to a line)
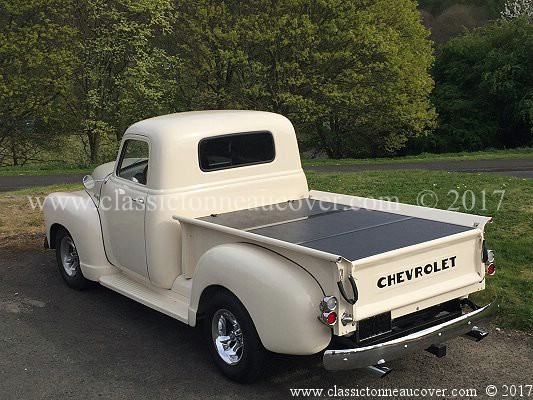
68, 261
223, 339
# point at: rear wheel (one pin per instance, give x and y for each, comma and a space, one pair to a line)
232, 339
68, 260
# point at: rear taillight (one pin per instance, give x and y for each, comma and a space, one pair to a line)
328, 303
491, 269
490, 256
327, 307
329, 318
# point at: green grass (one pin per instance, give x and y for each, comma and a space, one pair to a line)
526, 152
510, 235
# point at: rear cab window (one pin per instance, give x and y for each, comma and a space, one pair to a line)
236, 150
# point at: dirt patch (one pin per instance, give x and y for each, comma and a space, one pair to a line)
17, 243
21, 214
21, 223
19, 304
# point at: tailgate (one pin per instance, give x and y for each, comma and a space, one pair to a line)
416, 277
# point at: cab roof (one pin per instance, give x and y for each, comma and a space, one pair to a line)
174, 141
195, 125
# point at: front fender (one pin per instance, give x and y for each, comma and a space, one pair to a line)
280, 296
77, 213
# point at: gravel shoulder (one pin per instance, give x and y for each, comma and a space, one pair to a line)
58, 343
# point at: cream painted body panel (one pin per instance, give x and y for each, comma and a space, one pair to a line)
163, 235
280, 296
465, 277
77, 213
123, 225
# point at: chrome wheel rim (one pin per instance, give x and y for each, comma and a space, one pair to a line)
69, 256
227, 337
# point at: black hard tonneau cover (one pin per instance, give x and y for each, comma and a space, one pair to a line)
353, 233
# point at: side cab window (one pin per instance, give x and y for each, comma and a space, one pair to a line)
133, 162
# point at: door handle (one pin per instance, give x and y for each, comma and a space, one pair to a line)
138, 200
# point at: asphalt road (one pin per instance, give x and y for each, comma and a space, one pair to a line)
522, 168
16, 182
57, 343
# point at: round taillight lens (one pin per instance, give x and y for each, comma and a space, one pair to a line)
331, 303
328, 304
491, 269
331, 318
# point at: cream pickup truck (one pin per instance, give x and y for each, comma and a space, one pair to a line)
208, 216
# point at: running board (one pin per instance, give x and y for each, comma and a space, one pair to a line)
171, 303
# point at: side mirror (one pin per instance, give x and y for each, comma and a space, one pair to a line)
88, 182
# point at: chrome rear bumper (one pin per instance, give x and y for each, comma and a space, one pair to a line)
381, 353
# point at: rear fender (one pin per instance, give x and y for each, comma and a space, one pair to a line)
280, 296
76, 212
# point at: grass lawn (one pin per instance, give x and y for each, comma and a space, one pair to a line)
510, 235
526, 152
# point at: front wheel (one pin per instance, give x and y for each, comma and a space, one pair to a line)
68, 261
232, 338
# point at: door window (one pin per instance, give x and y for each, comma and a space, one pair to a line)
133, 163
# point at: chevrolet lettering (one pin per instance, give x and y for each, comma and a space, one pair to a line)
417, 272
207, 217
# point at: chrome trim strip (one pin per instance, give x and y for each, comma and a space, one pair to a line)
384, 352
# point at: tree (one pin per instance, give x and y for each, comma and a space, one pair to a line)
210, 52
372, 73
351, 75
35, 67
484, 89
120, 72
517, 8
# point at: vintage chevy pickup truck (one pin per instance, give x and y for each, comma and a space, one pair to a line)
208, 216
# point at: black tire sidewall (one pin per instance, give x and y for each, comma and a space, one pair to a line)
249, 367
78, 281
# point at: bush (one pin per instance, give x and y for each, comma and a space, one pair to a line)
484, 90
